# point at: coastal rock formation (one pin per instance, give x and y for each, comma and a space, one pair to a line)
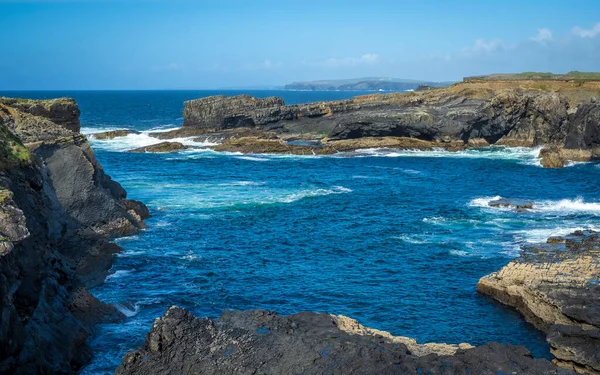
112, 134
512, 113
556, 287
261, 342
161, 147
558, 157
516, 203
57, 208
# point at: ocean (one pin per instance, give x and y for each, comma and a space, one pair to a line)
394, 239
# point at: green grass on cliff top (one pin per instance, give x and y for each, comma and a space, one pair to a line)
12, 152
573, 75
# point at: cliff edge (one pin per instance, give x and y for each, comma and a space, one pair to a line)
57, 210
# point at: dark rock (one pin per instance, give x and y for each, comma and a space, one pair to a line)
462, 112
515, 203
57, 209
261, 342
114, 134
162, 147
555, 285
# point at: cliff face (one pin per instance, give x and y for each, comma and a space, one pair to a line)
556, 287
57, 207
261, 342
468, 112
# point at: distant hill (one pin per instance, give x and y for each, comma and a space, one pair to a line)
363, 84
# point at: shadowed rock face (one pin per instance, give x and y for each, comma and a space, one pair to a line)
261, 342
512, 117
57, 206
556, 287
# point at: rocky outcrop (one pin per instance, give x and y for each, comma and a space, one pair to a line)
556, 287
112, 134
558, 157
62, 111
57, 209
472, 113
161, 147
261, 342
516, 203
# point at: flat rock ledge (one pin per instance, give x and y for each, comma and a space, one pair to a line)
262, 342
556, 286
112, 134
162, 147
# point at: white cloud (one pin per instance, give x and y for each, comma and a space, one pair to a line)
543, 35
167, 67
367, 59
481, 46
587, 33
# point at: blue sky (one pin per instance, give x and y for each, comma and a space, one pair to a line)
185, 44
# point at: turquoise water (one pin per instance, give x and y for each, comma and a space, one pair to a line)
394, 239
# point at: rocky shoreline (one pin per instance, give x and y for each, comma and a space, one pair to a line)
465, 115
58, 211
554, 285
262, 342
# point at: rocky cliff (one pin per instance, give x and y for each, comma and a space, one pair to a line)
261, 342
556, 287
57, 210
512, 113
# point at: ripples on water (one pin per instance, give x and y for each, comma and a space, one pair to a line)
395, 239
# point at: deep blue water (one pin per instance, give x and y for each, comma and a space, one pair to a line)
396, 240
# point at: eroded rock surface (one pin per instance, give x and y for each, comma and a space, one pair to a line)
472, 113
57, 208
556, 287
261, 342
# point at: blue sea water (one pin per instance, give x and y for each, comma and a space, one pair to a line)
394, 239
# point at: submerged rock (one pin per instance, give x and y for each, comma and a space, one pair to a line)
516, 203
555, 285
262, 342
115, 133
162, 147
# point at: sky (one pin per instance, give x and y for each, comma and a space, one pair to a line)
187, 44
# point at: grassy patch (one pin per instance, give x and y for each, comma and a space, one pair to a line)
12, 152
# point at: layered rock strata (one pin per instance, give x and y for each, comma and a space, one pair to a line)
57, 210
471, 113
556, 287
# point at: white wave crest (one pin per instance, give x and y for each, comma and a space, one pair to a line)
561, 207
128, 309
568, 206
118, 274
483, 201
538, 235
132, 141
252, 158
524, 154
